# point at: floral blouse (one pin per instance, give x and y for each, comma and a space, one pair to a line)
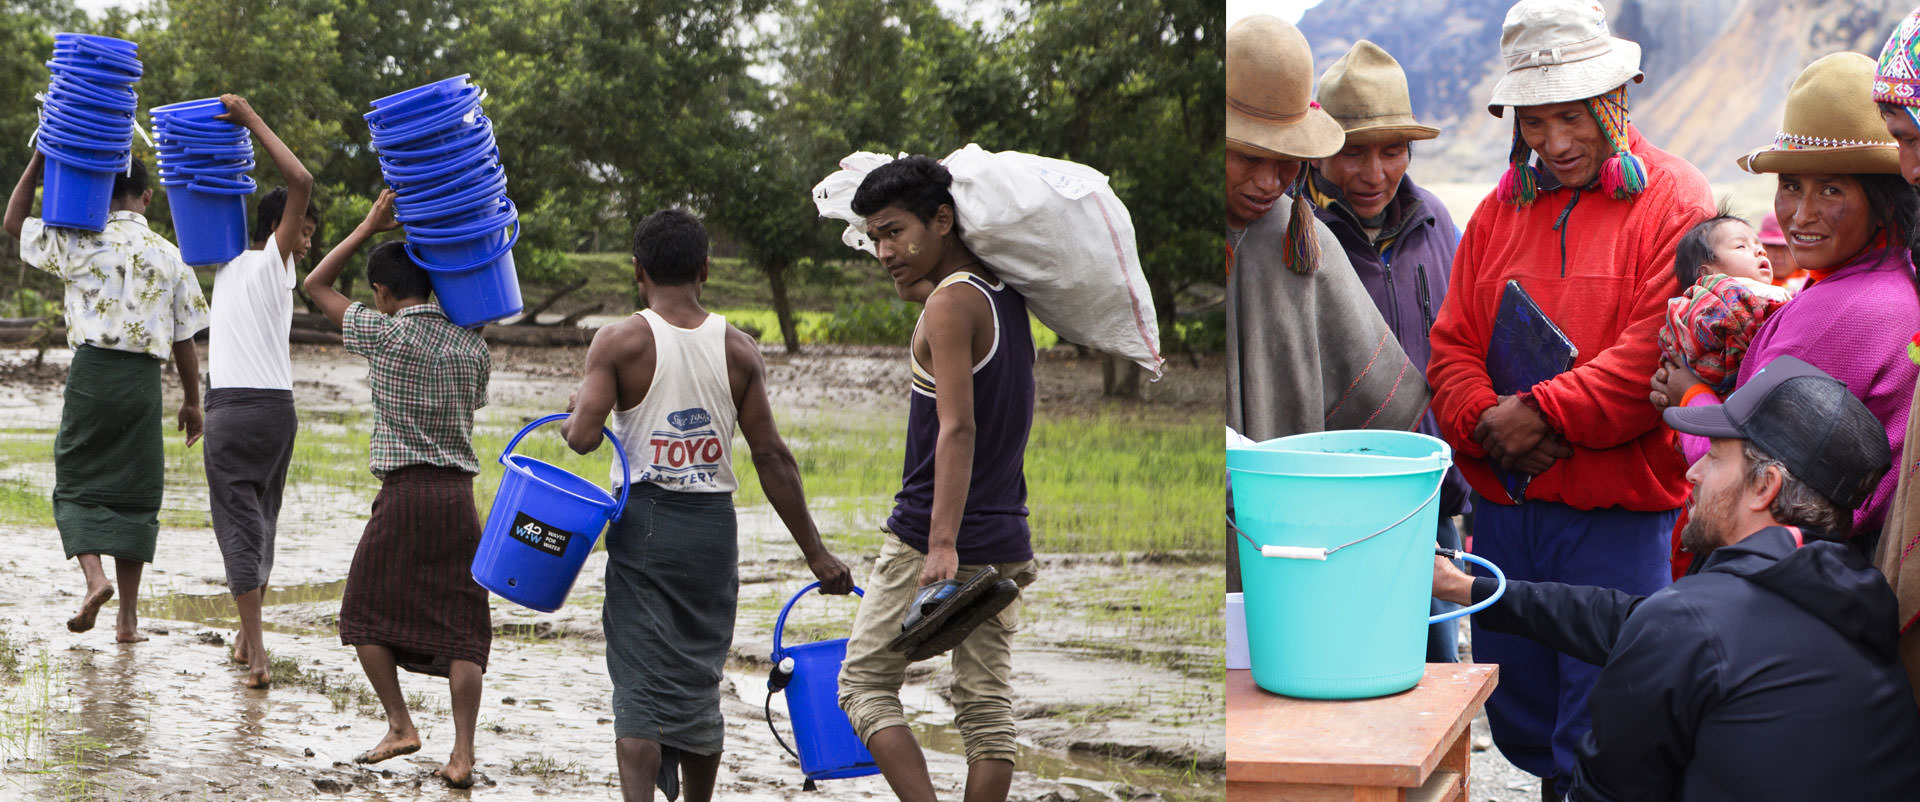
127, 289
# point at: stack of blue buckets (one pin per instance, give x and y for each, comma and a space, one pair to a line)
86, 127
203, 165
437, 153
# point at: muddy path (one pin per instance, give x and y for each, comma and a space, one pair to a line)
1106, 711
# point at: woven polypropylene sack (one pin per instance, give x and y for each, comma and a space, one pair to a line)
1051, 228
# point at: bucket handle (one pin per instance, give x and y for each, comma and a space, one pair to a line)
780, 625
1498, 591
625, 469
503, 250
1322, 552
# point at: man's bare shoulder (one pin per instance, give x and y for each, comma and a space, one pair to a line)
627, 337
742, 349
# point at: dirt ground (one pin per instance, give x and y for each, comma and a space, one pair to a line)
86, 718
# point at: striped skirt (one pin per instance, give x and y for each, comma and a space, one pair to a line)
411, 585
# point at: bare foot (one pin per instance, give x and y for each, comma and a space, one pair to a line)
129, 635
391, 746
259, 677
239, 653
457, 773
90, 608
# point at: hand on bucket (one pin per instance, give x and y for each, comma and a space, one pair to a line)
1451, 584
835, 578
380, 217
239, 112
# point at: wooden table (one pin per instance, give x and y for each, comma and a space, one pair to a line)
1409, 747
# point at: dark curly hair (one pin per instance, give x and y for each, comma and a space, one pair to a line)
670, 245
918, 184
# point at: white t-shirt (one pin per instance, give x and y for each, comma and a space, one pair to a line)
252, 316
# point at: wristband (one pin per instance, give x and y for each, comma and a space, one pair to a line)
1697, 390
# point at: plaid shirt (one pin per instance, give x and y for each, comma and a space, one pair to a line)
428, 377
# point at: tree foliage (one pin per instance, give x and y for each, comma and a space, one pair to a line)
607, 109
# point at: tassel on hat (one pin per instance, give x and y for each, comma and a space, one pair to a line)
1300, 249
1622, 176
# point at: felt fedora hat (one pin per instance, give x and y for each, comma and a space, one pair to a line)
1270, 107
1558, 51
1831, 124
1366, 92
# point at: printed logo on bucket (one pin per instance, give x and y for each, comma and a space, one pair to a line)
540, 535
689, 457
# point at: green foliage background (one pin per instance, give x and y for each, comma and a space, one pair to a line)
607, 109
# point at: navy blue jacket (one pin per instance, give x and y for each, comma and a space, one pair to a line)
1769, 675
1407, 280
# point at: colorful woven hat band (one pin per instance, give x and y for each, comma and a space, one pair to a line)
1623, 175
1897, 79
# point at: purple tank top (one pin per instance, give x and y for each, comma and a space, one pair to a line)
993, 526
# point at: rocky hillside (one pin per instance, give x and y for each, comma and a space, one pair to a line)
1717, 70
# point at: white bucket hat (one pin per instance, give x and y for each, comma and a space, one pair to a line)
1558, 51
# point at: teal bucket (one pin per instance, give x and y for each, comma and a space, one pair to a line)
1336, 553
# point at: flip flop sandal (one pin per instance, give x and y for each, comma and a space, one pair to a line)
945, 612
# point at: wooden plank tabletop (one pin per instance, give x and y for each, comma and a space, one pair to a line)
1389, 741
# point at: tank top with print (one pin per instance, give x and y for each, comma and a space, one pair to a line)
993, 525
680, 436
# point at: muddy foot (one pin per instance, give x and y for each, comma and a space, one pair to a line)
390, 747
130, 636
239, 653
259, 678
456, 776
90, 609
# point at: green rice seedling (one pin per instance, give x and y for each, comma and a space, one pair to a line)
546, 767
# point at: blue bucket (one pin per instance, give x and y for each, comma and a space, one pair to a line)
482, 291
76, 195
210, 223
1336, 554
543, 525
827, 746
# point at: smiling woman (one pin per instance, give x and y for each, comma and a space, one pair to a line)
1849, 218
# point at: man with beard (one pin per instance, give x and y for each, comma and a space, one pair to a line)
1771, 673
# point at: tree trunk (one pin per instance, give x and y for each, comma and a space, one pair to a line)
782, 307
1119, 377
527, 316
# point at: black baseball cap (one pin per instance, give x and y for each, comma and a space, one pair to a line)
1808, 421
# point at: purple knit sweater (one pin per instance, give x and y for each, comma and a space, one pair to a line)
1855, 325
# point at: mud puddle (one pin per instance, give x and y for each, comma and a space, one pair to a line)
82, 717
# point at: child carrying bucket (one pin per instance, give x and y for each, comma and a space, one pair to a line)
410, 599
677, 380
250, 419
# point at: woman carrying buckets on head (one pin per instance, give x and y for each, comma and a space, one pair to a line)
676, 380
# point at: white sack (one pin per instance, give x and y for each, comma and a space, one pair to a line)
1053, 229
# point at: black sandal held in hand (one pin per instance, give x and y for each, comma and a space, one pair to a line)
945, 612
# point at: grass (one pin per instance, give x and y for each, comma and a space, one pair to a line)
546, 767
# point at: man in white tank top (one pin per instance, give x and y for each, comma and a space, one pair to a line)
676, 381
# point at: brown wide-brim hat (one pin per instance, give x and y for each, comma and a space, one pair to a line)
1831, 124
1366, 93
1557, 51
1270, 108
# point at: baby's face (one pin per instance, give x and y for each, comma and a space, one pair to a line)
1737, 252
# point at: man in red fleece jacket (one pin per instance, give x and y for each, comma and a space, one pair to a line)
1586, 220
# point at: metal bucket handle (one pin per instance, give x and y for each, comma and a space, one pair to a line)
780, 625
626, 470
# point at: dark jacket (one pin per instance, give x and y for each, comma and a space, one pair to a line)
1405, 270
1769, 675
